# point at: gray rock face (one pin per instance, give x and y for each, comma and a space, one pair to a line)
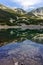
38, 12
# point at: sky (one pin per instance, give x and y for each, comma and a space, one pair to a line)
24, 4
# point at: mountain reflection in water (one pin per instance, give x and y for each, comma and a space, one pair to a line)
25, 53
18, 35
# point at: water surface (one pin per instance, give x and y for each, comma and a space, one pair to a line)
26, 53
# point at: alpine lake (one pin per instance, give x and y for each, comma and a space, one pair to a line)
21, 47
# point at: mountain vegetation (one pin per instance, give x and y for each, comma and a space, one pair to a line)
18, 16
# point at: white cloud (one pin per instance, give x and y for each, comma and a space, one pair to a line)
26, 3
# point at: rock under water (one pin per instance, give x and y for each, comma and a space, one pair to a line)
22, 53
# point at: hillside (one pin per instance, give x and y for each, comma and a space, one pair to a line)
18, 16
38, 12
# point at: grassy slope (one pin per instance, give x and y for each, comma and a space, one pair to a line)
6, 14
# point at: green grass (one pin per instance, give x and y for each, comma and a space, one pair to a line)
5, 16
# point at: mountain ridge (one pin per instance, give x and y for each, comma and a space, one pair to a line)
18, 16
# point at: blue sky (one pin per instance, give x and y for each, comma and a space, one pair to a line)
24, 4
